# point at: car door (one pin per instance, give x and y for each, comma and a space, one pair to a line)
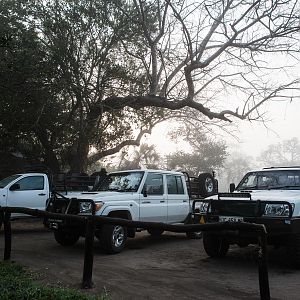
29, 192
153, 202
178, 199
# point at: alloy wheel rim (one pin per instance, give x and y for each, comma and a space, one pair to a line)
118, 236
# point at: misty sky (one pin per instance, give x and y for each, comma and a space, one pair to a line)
282, 122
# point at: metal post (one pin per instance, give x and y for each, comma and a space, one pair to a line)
88, 254
7, 236
263, 267
1, 218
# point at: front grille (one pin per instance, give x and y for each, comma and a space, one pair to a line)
63, 206
237, 208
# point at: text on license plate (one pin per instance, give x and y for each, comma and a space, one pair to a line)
230, 219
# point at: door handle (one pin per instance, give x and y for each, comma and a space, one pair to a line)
184, 201
162, 201
144, 202
42, 194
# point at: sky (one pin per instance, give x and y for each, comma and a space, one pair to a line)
282, 123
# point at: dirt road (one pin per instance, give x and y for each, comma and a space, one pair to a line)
170, 267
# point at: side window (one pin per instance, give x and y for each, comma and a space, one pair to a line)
180, 189
175, 185
31, 183
154, 184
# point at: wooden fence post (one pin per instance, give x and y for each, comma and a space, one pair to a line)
263, 267
1, 218
87, 282
7, 236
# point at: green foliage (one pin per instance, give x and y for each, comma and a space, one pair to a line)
17, 284
60, 59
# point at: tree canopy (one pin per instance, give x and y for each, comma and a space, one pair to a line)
206, 154
283, 154
97, 75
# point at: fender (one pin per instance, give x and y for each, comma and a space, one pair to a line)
113, 208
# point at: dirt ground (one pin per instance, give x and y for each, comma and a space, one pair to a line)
169, 267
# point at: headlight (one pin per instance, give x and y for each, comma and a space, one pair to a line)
203, 207
277, 210
85, 207
98, 205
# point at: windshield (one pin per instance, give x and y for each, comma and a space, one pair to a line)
262, 180
121, 182
4, 182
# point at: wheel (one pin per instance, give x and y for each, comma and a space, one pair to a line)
113, 238
214, 246
293, 249
207, 185
66, 238
155, 232
194, 235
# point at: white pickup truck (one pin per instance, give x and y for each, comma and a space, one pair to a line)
29, 190
270, 196
139, 195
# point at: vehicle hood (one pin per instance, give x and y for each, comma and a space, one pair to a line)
273, 195
100, 196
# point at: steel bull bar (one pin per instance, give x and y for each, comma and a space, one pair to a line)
91, 221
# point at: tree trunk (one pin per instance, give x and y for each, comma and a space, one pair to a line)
78, 156
50, 158
51, 161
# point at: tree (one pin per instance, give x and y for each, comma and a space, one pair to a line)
144, 157
27, 104
81, 62
206, 155
236, 165
285, 153
116, 67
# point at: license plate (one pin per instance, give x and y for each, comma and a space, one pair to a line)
230, 219
55, 221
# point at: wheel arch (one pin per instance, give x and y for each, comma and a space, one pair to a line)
120, 213
123, 214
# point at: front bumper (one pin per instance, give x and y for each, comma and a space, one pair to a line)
67, 206
279, 228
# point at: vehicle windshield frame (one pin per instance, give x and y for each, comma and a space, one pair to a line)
115, 182
7, 180
270, 179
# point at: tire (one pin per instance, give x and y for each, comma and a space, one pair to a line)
113, 238
293, 249
155, 232
214, 246
207, 185
194, 235
66, 238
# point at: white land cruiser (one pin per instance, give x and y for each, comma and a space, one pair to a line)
138, 195
270, 196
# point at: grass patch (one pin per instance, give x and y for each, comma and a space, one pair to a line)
18, 284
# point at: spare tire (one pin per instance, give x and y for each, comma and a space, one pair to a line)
207, 185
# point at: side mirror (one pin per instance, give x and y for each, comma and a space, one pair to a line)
231, 187
144, 191
14, 187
